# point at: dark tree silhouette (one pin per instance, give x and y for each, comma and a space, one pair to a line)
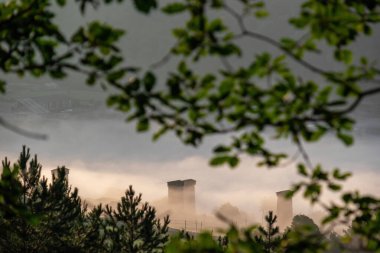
54, 212
134, 227
269, 236
53, 218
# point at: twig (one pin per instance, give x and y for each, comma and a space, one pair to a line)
303, 38
245, 32
358, 100
226, 64
163, 60
302, 150
21, 131
278, 45
291, 160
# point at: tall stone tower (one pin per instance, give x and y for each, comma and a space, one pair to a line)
284, 210
181, 196
55, 173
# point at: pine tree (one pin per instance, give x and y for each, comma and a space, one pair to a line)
10, 190
64, 214
55, 208
134, 227
55, 220
269, 237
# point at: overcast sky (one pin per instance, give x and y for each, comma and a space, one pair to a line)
106, 155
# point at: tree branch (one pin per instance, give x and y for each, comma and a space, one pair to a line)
291, 160
358, 100
163, 60
21, 131
302, 150
246, 32
5, 23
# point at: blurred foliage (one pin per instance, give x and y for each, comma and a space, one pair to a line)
50, 217
255, 239
301, 220
246, 100
302, 236
241, 100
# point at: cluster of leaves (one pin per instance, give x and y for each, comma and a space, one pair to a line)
247, 100
360, 212
53, 218
243, 100
31, 42
302, 236
256, 239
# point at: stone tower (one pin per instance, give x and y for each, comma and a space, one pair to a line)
284, 210
181, 197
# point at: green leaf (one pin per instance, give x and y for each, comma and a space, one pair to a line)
174, 8
219, 160
344, 55
226, 86
317, 134
347, 197
179, 33
142, 125
182, 67
193, 114
302, 169
57, 73
91, 78
61, 2
288, 43
216, 25
149, 81
207, 80
159, 133
334, 187
339, 175
261, 13
145, 6
217, 3
222, 149
105, 50
116, 75
2, 86
347, 139
233, 161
